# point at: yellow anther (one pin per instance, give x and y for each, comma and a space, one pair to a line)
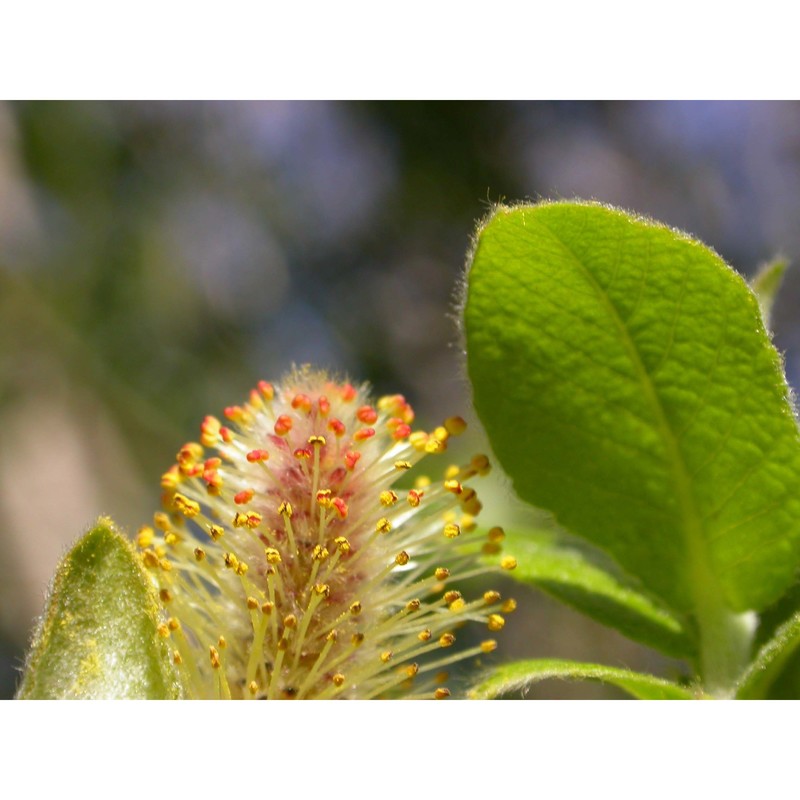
144, 538
383, 525
402, 465
447, 640
415, 498
491, 597
388, 498
495, 622
176, 658
322, 589
451, 530
386, 656
252, 687
442, 693
402, 558
239, 520
509, 606
285, 509
324, 498
252, 603
457, 605
161, 520
489, 646
199, 553
189, 508
355, 608
273, 556
163, 630
441, 433
283, 644
496, 534
171, 538
418, 440
455, 425
441, 573
165, 565
316, 440
508, 562
332, 635
342, 543
480, 463
150, 559
453, 486
451, 596
422, 482
214, 656
221, 643
491, 549
413, 605
357, 639
231, 562
266, 608
290, 621
452, 471
173, 624
338, 679
164, 595
468, 523
241, 568
412, 670
319, 553
216, 532
434, 445
425, 636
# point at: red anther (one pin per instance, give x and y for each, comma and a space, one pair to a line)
367, 415
401, 432
337, 427
324, 405
303, 452
192, 471
226, 434
348, 393
266, 390
283, 425
363, 433
340, 506
234, 413
245, 496
189, 453
302, 402
414, 497
351, 459
212, 463
257, 455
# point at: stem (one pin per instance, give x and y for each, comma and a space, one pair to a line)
726, 640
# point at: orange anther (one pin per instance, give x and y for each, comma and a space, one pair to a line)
351, 459
283, 425
301, 402
401, 432
367, 414
348, 393
340, 506
337, 427
266, 390
324, 406
209, 431
245, 496
363, 433
257, 455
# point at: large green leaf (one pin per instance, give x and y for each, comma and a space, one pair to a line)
98, 638
520, 675
627, 384
578, 575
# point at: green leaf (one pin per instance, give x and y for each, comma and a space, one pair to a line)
766, 283
585, 579
770, 661
520, 675
98, 638
627, 384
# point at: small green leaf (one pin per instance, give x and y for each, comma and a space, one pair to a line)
766, 284
627, 384
770, 661
98, 638
520, 675
590, 582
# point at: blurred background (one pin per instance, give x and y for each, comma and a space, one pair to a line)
156, 259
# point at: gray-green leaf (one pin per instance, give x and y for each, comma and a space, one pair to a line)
98, 638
